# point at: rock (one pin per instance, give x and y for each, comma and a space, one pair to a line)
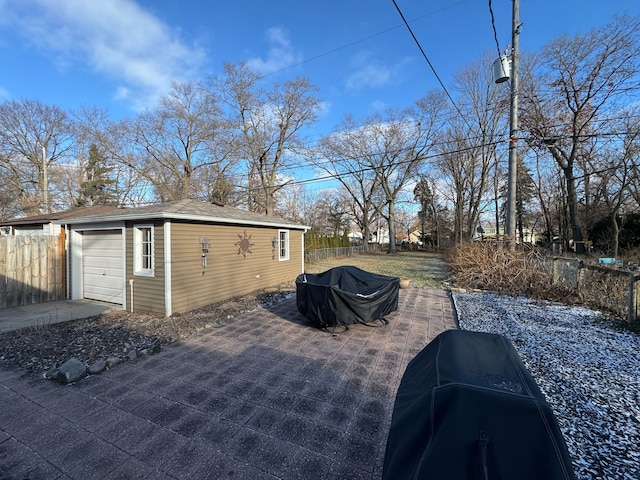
132, 355
71, 371
113, 361
98, 366
51, 373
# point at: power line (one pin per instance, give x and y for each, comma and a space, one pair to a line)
501, 139
337, 175
496, 143
495, 33
356, 42
415, 39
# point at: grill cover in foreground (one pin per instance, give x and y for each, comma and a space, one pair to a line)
346, 295
467, 408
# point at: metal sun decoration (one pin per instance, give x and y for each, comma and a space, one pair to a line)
244, 244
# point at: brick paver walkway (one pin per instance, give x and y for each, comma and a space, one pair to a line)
264, 397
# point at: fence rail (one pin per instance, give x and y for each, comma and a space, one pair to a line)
31, 269
605, 287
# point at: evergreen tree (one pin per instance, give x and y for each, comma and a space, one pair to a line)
98, 188
525, 191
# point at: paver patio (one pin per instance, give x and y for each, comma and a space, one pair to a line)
266, 396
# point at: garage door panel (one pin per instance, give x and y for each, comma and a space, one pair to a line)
102, 265
108, 280
106, 270
103, 293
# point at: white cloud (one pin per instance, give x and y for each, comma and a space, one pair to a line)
325, 108
379, 105
281, 53
370, 72
115, 38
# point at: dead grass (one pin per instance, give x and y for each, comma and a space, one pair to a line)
423, 269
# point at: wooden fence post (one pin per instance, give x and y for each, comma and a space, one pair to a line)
4, 279
634, 298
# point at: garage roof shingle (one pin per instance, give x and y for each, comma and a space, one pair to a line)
194, 210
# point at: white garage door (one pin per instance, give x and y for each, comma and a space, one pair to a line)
102, 265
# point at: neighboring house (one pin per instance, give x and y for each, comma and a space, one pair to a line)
43, 224
488, 232
178, 256
402, 238
380, 236
414, 238
355, 238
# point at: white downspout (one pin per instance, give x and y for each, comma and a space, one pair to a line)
67, 260
131, 294
303, 234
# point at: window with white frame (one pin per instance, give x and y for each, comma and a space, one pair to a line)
283, 242
143, 250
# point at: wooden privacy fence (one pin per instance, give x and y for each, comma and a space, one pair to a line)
32, 269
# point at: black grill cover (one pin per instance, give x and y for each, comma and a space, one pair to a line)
467, 408
345, 295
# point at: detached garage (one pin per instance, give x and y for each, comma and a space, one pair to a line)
178, 256
103, 265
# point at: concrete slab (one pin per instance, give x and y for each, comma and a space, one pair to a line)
15, 318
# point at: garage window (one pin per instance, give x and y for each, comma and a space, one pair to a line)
143, 250
284, 244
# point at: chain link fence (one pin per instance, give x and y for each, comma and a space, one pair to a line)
319, 254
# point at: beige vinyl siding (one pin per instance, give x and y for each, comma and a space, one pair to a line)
231, 269
148, 292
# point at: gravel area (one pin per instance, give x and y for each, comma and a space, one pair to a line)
587, 367
115, 334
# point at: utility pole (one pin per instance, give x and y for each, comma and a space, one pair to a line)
513, 127
45, 181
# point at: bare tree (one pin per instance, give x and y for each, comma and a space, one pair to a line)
465, 168
569, 86
93, 128
267, 124
341, 155
363, 215
614, 173
299, 204
406, 223
382, 153
468, 147
176, 141
10, 206
634, 183
33, 138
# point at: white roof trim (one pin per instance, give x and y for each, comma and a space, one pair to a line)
178, 216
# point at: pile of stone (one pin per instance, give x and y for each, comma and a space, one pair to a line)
74, 370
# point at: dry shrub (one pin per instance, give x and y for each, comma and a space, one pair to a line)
495, 267
631, 255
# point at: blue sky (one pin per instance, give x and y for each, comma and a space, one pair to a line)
121, 55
